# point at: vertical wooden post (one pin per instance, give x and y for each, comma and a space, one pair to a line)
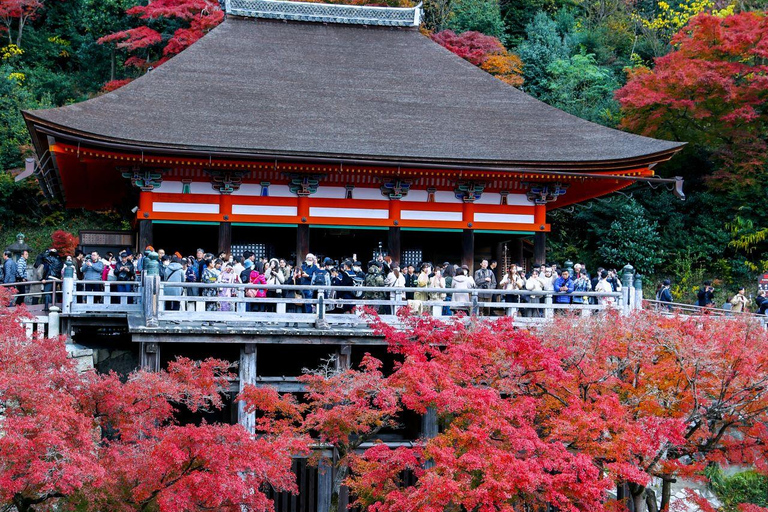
393, 244
344, 357
225, 237
468, 249
539, 248
324, 485
247, 376
145, 234
150, 357
302, 242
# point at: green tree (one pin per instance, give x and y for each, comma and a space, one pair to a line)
630, 238
582, 88
482, 16
544, 43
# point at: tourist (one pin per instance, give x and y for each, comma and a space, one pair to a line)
437, 281
374, 279
604, 286
306, 274
395, 279
125, 273
210, 276
422, 282
740, 302
449, 272
581, 284
485, 280
257, 277
547, 279
91, 269
665, 295
345, 277
563, 286
274, 277
411, 281
78, 261
22, 276
173, 273
533, 284
762, 302
228, 277
9, 270
706, 295
510, 282
462, 281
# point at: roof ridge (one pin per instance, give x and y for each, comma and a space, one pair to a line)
326, 13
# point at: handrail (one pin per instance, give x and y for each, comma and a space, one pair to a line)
701, 309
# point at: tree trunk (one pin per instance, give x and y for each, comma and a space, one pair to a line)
336, 498
650, 500
638, 494
21, 29
666, 493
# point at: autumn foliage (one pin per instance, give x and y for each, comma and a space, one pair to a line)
484, 51
98, 442
712, 90
197, 16
64, 242
556, 417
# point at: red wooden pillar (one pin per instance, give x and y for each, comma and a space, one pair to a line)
468, 249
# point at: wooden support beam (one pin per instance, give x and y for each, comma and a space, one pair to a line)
393, 244
468, 249
247, 376
225, 237
302, 243
145, 234
150, 357
324, 485
539, 248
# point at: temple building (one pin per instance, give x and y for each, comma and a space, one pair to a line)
294, 127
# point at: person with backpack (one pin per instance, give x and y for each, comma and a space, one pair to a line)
52, 267
374, 279
665, 295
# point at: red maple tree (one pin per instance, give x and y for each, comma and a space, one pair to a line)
98, 442
651, 396
146, 44
711, 90
18, 12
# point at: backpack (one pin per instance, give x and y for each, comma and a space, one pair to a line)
358, 282
321, 278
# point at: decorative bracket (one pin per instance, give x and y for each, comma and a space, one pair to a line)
469, 191
304, 185
396, 188
543, 193
145, 178
226, 181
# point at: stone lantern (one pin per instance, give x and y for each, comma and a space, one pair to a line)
18, 247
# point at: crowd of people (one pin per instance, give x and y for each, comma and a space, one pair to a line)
204, 267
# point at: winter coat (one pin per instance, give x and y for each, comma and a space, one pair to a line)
422, 282
258, 278
603, 286
581, 284
560, 283
374, 278
739, 303
481, 276
21, 269
461, 300
92, 271
174, 273
9, 271
547, 283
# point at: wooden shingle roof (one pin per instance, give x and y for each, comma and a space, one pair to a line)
261, 88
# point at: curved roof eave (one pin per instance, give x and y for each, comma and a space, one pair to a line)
263, 89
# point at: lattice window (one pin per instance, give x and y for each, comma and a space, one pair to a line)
411, 257
260, 250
